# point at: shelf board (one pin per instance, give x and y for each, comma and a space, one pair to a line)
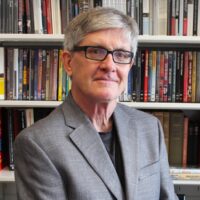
22, 40
26, 104
6, 175
139, 105
58, 39
186, 182
163, 106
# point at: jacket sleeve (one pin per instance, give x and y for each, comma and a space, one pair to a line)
36, 176
167, 188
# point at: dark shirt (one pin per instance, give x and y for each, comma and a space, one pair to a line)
112, 146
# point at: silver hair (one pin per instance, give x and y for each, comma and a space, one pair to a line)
96, 19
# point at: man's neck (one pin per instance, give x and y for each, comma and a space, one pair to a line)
100, 113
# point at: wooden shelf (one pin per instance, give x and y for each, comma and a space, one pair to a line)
58, 39
163, 106
32, 104
186, 182
139, 105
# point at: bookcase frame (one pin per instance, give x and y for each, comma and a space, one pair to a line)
145, 41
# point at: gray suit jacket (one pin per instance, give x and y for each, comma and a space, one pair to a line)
62, 157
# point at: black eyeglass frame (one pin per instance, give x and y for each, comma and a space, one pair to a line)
84, 48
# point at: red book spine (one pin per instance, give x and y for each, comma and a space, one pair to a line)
173, 26
49, 17
185, 18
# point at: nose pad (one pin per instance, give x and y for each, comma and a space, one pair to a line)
109, 57
108, 64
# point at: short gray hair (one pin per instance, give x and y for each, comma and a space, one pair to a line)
97, 19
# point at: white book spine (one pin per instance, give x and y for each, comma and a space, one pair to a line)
162, 17
181, 17
37, 16
190, 18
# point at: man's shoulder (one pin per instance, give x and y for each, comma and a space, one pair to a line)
45, 126
134, 112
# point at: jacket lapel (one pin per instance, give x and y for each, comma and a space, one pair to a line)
89, 143
127, 133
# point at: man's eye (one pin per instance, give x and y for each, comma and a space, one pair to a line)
94, 51
121, 54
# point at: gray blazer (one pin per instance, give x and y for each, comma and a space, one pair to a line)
62, 157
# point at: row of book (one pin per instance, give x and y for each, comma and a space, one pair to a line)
157, 76
182, 135
156, 17
12, 121
32, 74
164, 76
166, 17
33, 16
182, 138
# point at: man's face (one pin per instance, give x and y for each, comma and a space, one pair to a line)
98, 81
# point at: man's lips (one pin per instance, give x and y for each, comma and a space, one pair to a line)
106, 79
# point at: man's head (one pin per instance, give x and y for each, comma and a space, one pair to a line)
97, 19
100, 46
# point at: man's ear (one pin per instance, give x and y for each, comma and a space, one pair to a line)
66, 58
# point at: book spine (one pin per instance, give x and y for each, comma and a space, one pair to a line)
146, 66
2, 73
166, 69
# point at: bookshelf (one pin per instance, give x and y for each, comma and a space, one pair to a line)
145, 41
50, 40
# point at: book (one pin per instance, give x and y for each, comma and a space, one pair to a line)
166, 129
185, 141
185, 17
10, 138
38, 28
146, 17
64, 15
176, 138
198, 19
2, 73
193, 135
190, 16
49, 17
194, 76
56, 17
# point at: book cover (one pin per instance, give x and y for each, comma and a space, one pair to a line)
194, 72
146, 75
166, 128
185, 142
176, 138
185, 77
2, 73
190, 17
49, 17
193, 135
166, 77
161, 76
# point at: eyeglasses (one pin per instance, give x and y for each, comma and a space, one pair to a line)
100, 54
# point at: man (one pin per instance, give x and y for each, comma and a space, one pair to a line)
91, 147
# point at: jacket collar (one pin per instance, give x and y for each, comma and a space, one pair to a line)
89, 143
